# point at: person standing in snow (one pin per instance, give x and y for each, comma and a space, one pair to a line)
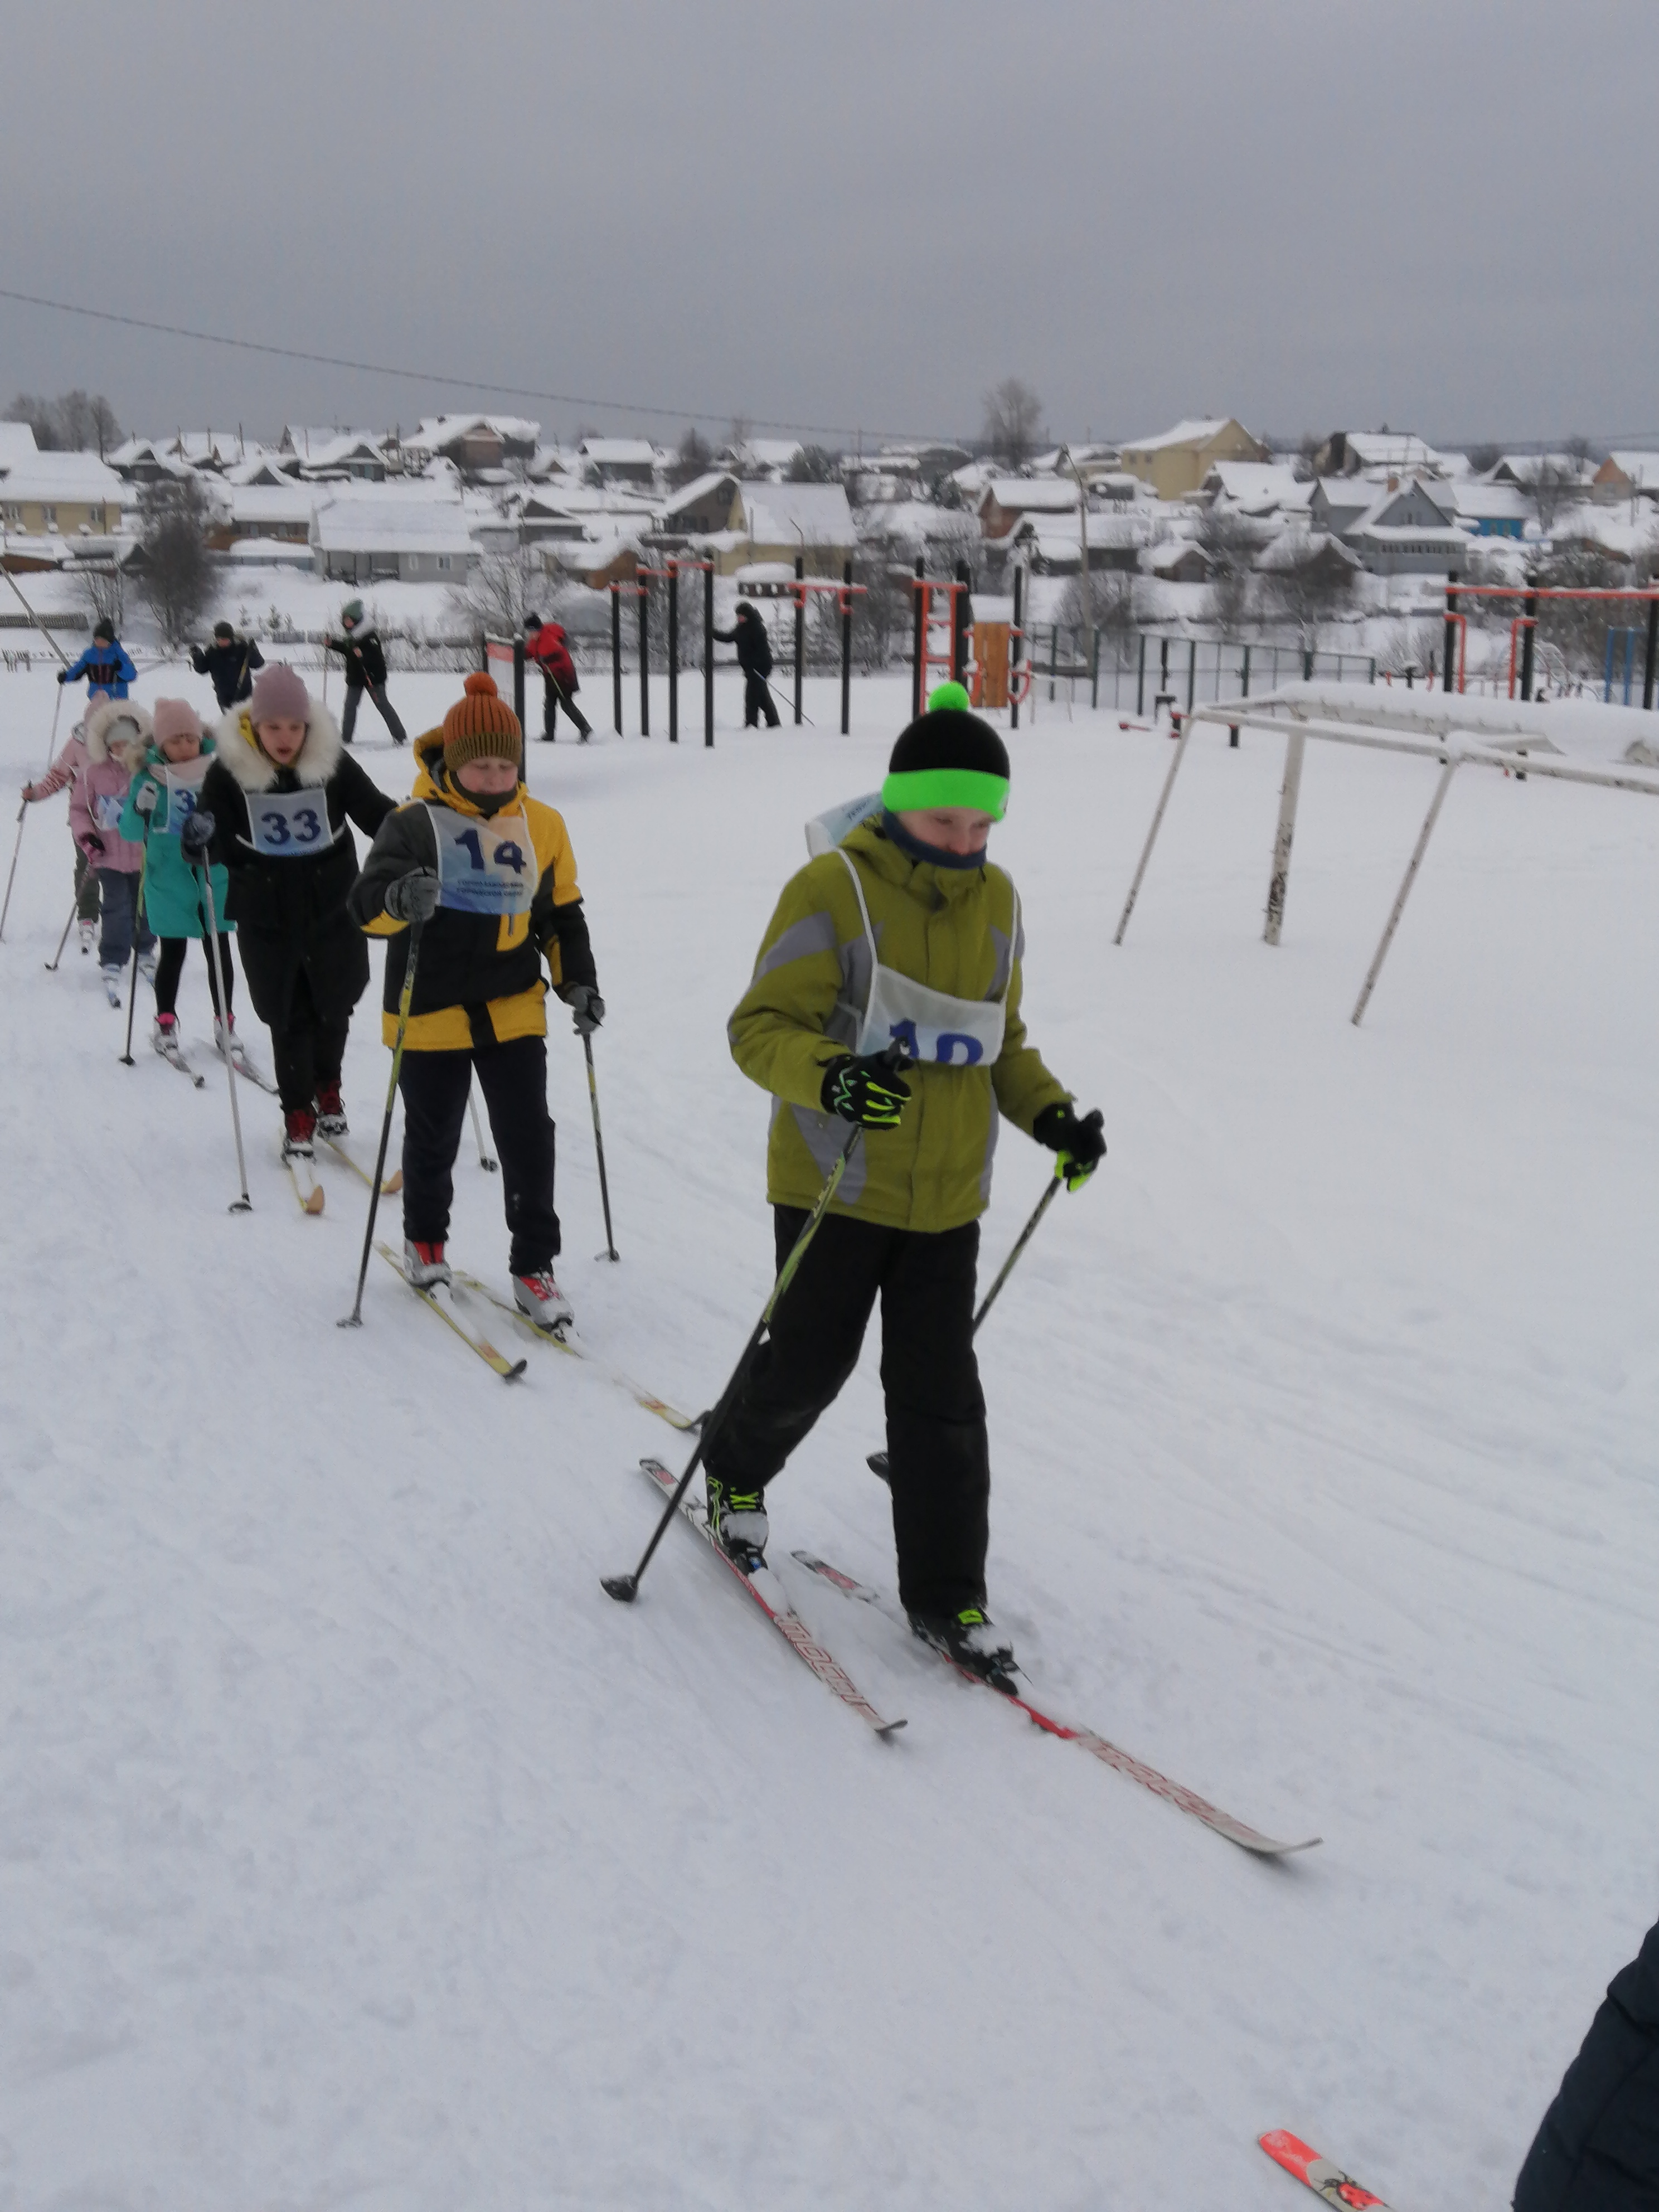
166, 815
230, 663
747, 633
545, 644
68, 764
904, 935
281, 791
1597, 2148
105, 665
365, 671
489, 873
117, 731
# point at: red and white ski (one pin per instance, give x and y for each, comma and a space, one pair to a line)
1184, 1799
770, 1594
1317, 2173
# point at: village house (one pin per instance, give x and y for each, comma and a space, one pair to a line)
1006, 501
58, 496
360, 541
475, 443
627, 461
1176, 461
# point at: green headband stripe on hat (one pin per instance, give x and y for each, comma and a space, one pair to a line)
919, 788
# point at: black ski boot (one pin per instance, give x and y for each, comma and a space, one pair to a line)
969, 1638
738, 1519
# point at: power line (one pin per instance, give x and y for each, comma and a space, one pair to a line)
452, 383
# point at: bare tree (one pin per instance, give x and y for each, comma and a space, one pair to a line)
1311, 583
493, 600
1484, 458
1578, 628
73, 423
1232, 542
100, 588
1551, 484
1305, 467
174, 517
694, 458
813, 464
1013, 416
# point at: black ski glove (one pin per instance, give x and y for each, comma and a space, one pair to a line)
94, 842
865, 1088
414, 896
197, 833
1081, 1145
145, 802
586, 1007
63, 675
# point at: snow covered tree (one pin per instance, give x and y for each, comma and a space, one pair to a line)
73, 423
1013, 417
177, 573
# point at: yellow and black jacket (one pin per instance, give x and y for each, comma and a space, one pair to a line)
479, 980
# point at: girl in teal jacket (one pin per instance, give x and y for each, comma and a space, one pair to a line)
159, 806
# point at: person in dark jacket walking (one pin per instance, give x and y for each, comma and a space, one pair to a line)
747, 633
105, 665
281, 792
365, 671
1598, 2148
229, 663
545, 644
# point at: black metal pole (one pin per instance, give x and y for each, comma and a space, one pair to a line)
1449, 643
673, 653
642, 584
708, 652
518, 677
800, 634
484, 652
615, 657
1016, 642
959, 629
919, 630
1650, 665
1529, 608
847, 648
1140, 679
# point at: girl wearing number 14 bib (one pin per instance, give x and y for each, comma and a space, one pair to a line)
282, 791
489, 873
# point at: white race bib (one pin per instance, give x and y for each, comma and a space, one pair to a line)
932, 1026
184, 786
288, 825
484, 867
108, 809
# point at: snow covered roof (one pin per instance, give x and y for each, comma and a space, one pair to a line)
1257, 487
1032, 495
1641, 470
367, 526
259, 468
1194, 431
1058, 534
268, 503
436, 431
50, 477
619, 452
699, 490
770, 453
1481, 501
324, 449
775, 513
1400, 450
1293, 546
17, 444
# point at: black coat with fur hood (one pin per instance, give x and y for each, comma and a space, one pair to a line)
290, 909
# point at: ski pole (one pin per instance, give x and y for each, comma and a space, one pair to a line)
36, 620
244, 1203
626, 1588
52, 965
1020, 1243
17, 848
137, 921
484, 1160
609, 1251
354, 1318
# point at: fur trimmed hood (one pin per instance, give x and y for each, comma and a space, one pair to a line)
106, 740
313, 765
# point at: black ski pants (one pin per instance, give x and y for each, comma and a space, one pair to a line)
388, 711
170, 966
757, 700
554, 693
514, 1079
308, 1052
937, 1451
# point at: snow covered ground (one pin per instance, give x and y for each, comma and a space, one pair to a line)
357, 1850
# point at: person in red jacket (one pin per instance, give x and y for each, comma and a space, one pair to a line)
545, 644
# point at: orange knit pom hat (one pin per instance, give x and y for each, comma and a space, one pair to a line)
481, 726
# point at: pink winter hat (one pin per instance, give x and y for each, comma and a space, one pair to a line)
279, 695
176, 718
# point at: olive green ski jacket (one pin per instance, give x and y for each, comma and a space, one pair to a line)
956, 930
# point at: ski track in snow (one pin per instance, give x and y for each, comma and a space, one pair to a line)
358, 1849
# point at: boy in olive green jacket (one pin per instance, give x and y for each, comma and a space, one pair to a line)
904, 935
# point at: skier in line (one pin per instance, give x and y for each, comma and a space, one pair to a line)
105, 665
1597, 2148
281, 791
229, 662
117, 731
747, 633
166, 800
903, 934
546, 645
365, 671
489, 872
68, 764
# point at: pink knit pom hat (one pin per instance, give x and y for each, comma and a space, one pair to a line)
176, 718
279, 695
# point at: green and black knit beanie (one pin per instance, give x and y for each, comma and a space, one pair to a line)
948, 758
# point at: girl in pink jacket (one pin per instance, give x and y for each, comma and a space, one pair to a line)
68, 764
118, 733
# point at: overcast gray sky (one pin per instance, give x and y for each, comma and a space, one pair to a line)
1308, 213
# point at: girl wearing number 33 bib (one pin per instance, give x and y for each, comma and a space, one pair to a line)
488, 872
282, 791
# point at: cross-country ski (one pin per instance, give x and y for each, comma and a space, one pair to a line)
439, 1299
1318, 2173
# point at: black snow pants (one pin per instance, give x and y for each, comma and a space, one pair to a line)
757, 700
388, 712
308, 1051
514, 1079
937, 1449
553, 695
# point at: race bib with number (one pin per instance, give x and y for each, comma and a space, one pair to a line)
288, 825
108, 809
184, 785
484, 867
